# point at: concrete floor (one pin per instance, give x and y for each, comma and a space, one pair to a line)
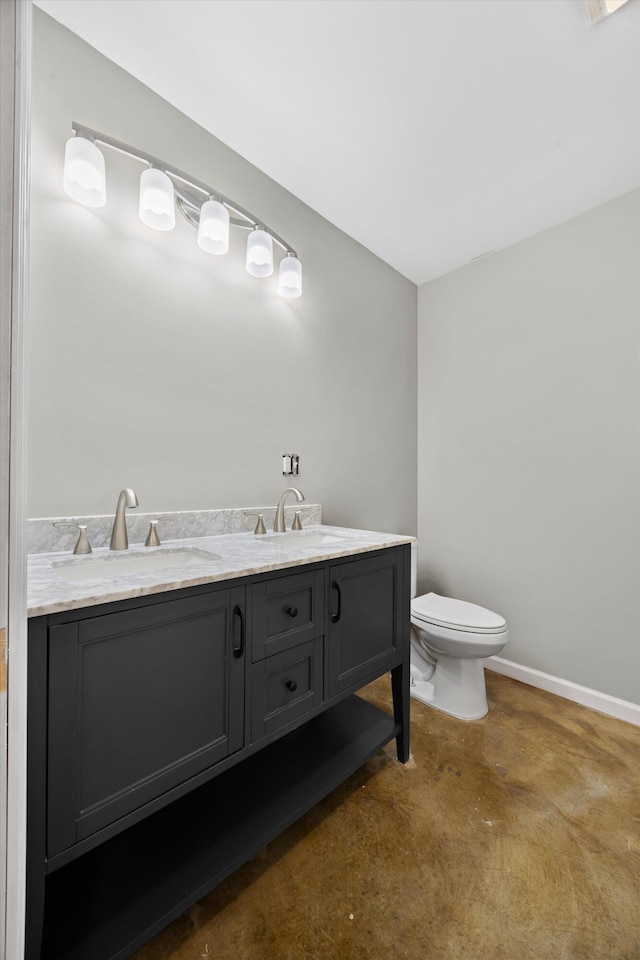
514, 837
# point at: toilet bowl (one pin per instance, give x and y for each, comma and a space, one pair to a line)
449, 640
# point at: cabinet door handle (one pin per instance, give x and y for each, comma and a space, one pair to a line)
293, 611
291, 685
239, 650
336, 616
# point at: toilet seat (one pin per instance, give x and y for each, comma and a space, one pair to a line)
456, 615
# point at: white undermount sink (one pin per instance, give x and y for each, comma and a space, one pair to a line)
303, 539
91, 568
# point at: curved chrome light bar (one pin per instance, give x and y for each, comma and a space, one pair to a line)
190, 194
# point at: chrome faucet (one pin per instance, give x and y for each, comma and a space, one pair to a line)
119, 539
279, 525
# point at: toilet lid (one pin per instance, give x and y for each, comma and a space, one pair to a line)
457, 614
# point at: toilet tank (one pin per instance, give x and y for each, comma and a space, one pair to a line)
414, 569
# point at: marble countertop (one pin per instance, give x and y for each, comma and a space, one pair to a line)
60, 581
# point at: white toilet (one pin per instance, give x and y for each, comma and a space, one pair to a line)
449, 640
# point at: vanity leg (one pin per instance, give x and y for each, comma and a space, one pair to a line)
35, 916
36, 788
401, 675
400, 680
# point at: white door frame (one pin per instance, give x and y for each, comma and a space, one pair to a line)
15, 100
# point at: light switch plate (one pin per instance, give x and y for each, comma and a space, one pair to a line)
290, 464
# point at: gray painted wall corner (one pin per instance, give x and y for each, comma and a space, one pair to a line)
529, 444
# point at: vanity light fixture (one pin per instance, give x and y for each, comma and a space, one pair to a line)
157, 200
84, 177
259, 253
162, 188
290, 276
213, 229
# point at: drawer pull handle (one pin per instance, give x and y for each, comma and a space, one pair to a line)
336, 616
293, 611
291, 685
239, 650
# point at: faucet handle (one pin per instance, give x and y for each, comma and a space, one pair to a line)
153, 540
297, 522
83, 545
260, 527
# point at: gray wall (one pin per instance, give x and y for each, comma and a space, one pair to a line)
528, 444
157, 366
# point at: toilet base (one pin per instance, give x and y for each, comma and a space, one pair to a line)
456, 687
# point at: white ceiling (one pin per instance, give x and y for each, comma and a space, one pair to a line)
432, 131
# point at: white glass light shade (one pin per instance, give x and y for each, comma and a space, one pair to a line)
290, 277
259, 253
157, 205
213, 229
84, 177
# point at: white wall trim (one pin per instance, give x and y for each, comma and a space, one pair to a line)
16, 125
602, 702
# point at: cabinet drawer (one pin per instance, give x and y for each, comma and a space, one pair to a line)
285, 687
287, 611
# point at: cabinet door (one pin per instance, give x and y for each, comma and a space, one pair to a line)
140, 701
364, 613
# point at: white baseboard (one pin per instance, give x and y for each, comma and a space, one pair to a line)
603, 702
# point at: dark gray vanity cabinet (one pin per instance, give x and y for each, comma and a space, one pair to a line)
140, 701
171, 737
